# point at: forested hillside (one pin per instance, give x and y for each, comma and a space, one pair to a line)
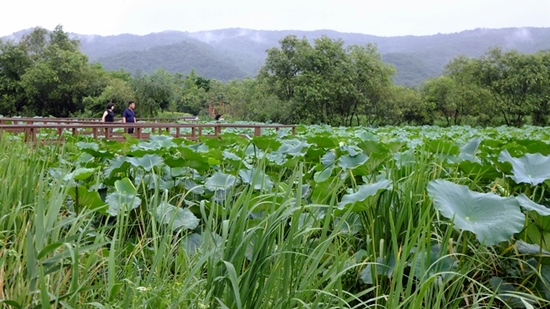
235, 53
177, 58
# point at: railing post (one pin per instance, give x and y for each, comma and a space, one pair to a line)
138, 132
257, 131
27, 134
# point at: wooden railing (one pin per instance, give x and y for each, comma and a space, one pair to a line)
6, 120
114, 131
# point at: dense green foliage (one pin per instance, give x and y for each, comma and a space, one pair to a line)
394, 217
319, 81
326, 83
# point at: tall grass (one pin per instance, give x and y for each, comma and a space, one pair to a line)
252, 250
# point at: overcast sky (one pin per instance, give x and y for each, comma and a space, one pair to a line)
376, 17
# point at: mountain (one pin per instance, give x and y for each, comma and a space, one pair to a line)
236, 53
176, 58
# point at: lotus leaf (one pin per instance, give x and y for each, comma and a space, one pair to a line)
362, 193
256, 178
468, 151
220, 181
491, 218
528, 204
531, 168
176, 217
382, 267
147, 162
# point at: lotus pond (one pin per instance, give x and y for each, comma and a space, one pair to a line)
391, 217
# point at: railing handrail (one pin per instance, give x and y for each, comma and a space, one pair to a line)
102, 129
91, 120
143, 125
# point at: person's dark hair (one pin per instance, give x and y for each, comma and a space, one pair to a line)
218, 117
129, 103
110, 105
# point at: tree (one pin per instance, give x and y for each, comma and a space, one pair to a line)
325, 83
44, 74
404, 105
515, 82
441, 93
153, 92
541, 100
190, 94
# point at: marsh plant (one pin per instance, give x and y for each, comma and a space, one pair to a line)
330, 218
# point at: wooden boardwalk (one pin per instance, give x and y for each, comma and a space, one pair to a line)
57, 129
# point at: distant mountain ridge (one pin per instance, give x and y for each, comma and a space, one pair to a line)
236, 53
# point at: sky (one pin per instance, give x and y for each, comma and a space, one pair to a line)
375, 17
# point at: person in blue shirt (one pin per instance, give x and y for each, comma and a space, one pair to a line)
129, 116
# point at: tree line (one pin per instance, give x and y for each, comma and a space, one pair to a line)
318, 82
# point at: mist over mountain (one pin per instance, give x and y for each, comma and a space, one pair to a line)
236, 53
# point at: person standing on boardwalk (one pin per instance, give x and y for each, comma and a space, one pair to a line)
129, 116
109, 114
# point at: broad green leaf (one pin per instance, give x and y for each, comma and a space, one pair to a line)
220, 181
531, 249
442, 146
363, 192
125, 186
176, 217
191, 242
118, 202
405, 158
434, 262
85, 145
323, 175
193, 187
256, 178
531, 168
468, 151
293, 147
373, 147
117, 165
351, 150
266, 142
323, 141
201, 242
231, 156
528, 204
147, 162
194, 160
84, 158
491, 218
367, 136
532, 234
349, 162
475, 170
505, 290
329, 158
382, 267
80, 173
88, 199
